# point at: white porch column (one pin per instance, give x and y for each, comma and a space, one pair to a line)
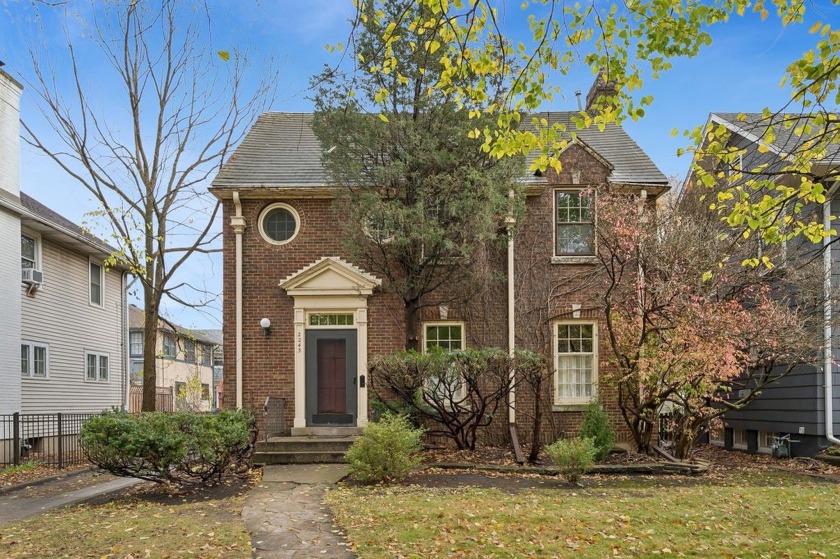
300, 368
361, 333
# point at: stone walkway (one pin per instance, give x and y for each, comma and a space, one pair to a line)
287, 517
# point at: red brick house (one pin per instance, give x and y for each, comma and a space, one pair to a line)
283, 266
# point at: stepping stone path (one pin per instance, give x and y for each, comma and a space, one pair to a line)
286, 515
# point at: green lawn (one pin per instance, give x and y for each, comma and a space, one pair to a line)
148, 524
758, 515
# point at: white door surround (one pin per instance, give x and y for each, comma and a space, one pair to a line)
329, 285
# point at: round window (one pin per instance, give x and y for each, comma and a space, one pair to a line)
279, 223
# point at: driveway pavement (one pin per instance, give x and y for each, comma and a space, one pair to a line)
287, 517
29, 501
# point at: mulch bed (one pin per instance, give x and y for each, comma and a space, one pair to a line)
509, 476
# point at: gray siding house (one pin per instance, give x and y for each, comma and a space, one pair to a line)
64, 320
805, 404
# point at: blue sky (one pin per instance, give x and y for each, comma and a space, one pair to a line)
740, 71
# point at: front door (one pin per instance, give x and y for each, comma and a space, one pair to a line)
331, 377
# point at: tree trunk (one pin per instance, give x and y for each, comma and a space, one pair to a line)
536, 385
150, 331
412, 339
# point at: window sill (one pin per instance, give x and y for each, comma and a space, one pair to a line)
574, 259
570, 407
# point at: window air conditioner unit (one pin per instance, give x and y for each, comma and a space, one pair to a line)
32, 276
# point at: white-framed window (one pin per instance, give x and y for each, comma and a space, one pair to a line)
380, 227
34, 360
765, 441
716, 436
279, 223
739, 439
189, 351
97, 366
576, 362
447, 337
135, 344
30, 250
574, 223
169, 348
97, 284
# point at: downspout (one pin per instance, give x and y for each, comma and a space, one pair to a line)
827, 317
510, 223
126, 349
238, 224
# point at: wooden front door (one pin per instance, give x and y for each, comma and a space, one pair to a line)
332, 376
331, 383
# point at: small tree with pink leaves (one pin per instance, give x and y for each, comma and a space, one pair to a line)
692, 331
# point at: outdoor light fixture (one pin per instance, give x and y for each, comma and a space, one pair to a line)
266, 326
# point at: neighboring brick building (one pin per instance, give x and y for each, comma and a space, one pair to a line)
283, 261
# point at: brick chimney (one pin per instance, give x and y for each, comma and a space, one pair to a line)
602, 87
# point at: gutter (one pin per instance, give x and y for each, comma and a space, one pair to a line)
828, 350
238, 224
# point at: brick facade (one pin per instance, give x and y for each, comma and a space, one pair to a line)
545, 290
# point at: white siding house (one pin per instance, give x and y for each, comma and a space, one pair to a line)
63, 323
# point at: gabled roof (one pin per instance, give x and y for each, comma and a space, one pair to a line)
629, 163
136, 321
281, 151
753, 127
38, 217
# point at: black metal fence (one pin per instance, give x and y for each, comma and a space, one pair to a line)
51, 439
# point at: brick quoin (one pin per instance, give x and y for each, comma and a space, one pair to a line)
268, 362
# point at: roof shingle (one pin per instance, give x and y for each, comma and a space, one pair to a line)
281, 150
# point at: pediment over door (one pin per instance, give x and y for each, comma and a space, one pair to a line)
330, 276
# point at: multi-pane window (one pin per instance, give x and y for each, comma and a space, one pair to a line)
574, 224
96, 284
135, 343
97, 366
765, 441
28, 251
189, 351
576, 363
206, 355
279, 223
716, 436
448, 337
169, 345
331, 319
33, 360
205, 391
445, 337
739, 439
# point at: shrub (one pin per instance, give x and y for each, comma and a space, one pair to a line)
596, 425
833, 450
455, 393
182, 448
574, 457
385, 451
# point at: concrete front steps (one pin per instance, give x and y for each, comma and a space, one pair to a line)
312, 448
